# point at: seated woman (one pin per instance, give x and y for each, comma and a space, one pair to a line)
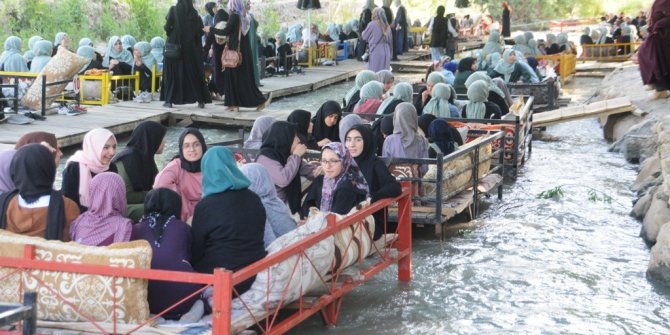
387, 79
48, 140
284, 53
348, 122
353, 95
182, 174
342, 185
42, 53
496, 95
35, 208
424, 96
424, 122
371, 98
128, 42
86, 42
564, 44
157, 45
332, 33
237, 241
258, 130
493, 44
303, 121
143, 62
11, 59
439, 102
347, 33
534, 50
360, 143
278, 220
105, 221
402, 92
586, 39
552, 43
89, 53
170, 240
30, 53
98, 149
521, 44
405, 142
136, 165
62, 39
449, 70
444, 138
478, 106
510, 70
6, 183
281, 154
117, 59
326, 123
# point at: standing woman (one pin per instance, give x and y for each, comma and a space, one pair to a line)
359, 141
184, 78
438, 35
237, 241
506, 27
401, 28
326, 124
182, 174
239, 85
217, 50
654, 53
379, 38
136, 165
98, 149
363, 21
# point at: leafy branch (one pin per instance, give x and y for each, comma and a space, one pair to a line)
593, 194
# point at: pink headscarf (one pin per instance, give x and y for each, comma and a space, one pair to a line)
89, 160
104, 222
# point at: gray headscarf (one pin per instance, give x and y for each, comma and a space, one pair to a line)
145, 53
371, 90
520, 44
278, 220
504, 67
347, 123
534, 50
362, 78
482, 75
128, 41
12, 59
260, 127
603, 36
401, 91
439, 101
85, 42
405, 123
42, 52
385, 76
86, 52
157, 45
493, 44
435, 78
59, 38
528, 35
478, 93
563, 40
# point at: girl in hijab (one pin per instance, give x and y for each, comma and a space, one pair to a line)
424, 123
360, 144
98, 149
89, 53
12, 60
170, 240
493, 44
128, 42
380, 41
496, 95
326, 124
182, 174
284, 51
6, 183
510, 70
35, 208
425, 93
30, 53
444, 138
534, 50
42, 56
105, 221
466, 67
371, 98
354, 94
342, 185
439, 102
552, 44
281, 154
521, 45
347, 123
48, 140
136, 165
402, 92
61, 39
258, 131
405, 142
303, 121
157, 45
117, 59
478, 106
237, 241
278, 220
387, 78
86, 42
143, 62
563, 44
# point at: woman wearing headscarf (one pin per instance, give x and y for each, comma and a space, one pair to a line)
284, 53
98, 149
654, 53
303, 121
424, 122
128, 42
347, 123
439, 102
294, 34
371, 98
87, 42
278, 220
30, 53
478, 106
387, 78
48, 140
6, 183
364, 19
379, 38
520, 44
586, 39
405, 142
281, 154
552, 45
182, 174
217, 50
354, 94
89, 53
563, 44
625, 37
332, 32
448, 71
401, 28
493, 44
105, 221
240, 87
42, 56
424, 96
143, 62
170, 240
466, 67
326, 124
444, 138
237, 241
342, 185
12, 59
360, 144
61, 39
438, 35
496, 95
534, 50
136, 165
510, 70
184, 78
117, 59
258, 131
492, 60
157, 45
35, 208
402, 92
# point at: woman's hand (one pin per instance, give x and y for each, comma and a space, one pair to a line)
323, 142
299, 150
205, 29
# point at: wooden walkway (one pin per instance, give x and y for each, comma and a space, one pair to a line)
600, 108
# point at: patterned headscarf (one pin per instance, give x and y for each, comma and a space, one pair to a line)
350, 172
89, 160
238, 7
478, 93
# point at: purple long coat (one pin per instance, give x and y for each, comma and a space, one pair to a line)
380, 46
654, 53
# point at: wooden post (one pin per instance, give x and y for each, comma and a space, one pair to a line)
405, 231
223, 297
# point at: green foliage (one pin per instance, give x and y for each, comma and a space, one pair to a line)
633, 7
536, 10
552, 193
270, 22
557, 193
595, 196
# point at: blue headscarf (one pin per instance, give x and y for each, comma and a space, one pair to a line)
85, 42
42, 52
157, 45
128, 41
220, 172
145, 53
12, 59
59, 38
86, 52
123, 56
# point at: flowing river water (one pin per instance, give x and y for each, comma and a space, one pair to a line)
528, 265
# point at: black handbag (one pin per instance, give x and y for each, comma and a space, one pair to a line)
173, 50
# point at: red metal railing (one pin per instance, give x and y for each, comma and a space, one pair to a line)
223, 281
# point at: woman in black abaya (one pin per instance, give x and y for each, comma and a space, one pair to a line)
184, 78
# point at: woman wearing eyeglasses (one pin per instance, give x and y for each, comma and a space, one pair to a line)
182, 174
342, 185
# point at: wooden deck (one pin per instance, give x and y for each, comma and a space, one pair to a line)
600, 108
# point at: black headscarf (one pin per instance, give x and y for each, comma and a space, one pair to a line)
387, 124
465, 64
160, 205
33, 172
301, 118
138, 156
209, 7
221, 16
442, 134
277, 146
425, 121
440, 11
322, 131
189, 25
365, 160
185, 164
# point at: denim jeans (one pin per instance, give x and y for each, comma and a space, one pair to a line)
436, 54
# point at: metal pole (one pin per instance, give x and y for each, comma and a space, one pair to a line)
438, 193
405, 232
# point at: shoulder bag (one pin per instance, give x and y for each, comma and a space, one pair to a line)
232, 58
173, 50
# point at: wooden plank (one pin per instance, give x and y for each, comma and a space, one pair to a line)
599, 108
